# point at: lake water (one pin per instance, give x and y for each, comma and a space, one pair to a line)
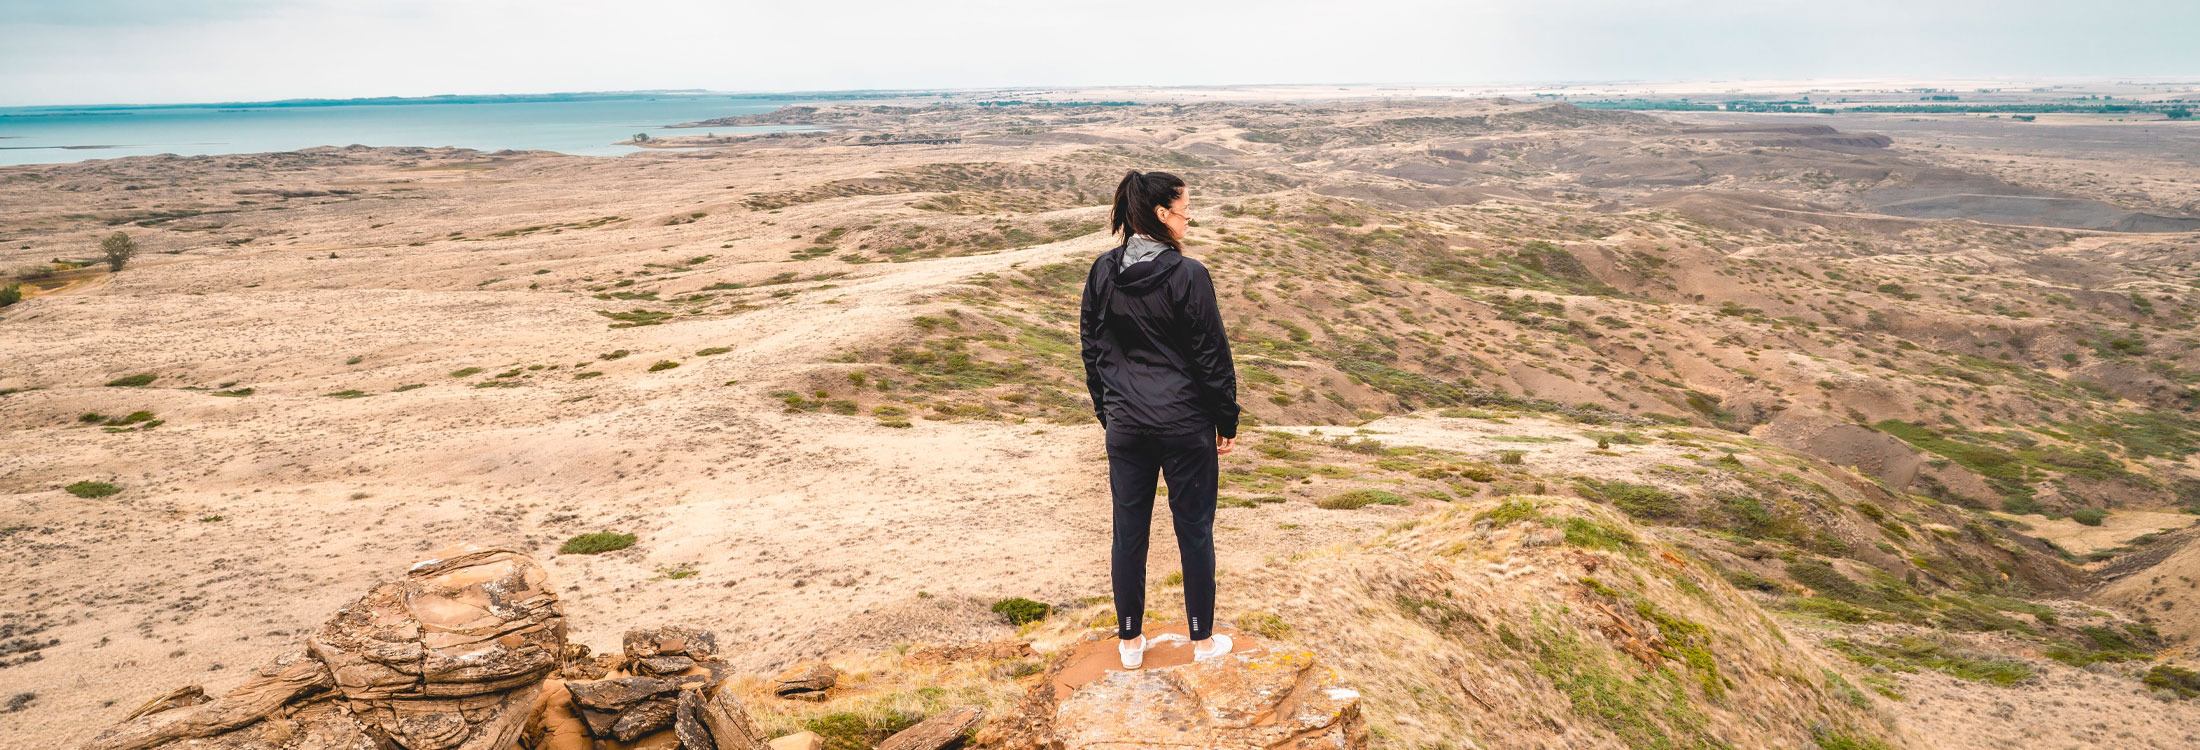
47, 135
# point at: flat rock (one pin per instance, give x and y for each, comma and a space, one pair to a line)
643, 718
188, 695
663, 665
1260, 696
727, 720
806, 676
617, 693
803, 740
937, 731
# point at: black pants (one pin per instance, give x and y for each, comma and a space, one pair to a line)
1188, 461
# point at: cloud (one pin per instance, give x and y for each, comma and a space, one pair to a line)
120, 13
227, 50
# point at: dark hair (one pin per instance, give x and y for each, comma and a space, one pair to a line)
1135, 199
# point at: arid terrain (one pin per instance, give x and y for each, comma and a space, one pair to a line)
1565, 426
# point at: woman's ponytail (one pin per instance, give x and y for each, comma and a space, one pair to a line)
1135, 199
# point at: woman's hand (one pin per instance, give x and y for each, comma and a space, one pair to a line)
1224, 444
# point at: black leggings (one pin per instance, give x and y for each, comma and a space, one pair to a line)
1188, 461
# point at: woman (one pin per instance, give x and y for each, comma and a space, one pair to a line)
1158, 365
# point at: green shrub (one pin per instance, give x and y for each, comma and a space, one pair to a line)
460, 373
1749, 517
1908, 653
2184, 682
11, 294
1509, 512
1360, 499
713, 351
1822, 578
1833, 610
596, 543
2089, 516
117, 249
1511, 457
1831, 740
1637, 500
663, 365
1019, 610
1743, 579
132, 381
1582, 532
91, 489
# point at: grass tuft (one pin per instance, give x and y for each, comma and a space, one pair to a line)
596, 543
91, 489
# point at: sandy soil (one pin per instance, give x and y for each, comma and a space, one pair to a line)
2117, 529
2167, 590
2062, 707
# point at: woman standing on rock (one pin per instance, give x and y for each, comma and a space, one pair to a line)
1165, 390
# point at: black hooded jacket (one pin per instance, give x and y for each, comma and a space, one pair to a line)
1156, 359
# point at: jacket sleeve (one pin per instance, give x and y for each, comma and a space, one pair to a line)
1088, 333
1210, 350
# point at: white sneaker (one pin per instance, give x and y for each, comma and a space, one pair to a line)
1132, 655
1220, 644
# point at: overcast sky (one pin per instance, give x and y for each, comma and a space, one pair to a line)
107, 51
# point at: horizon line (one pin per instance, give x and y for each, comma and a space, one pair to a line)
2192, 80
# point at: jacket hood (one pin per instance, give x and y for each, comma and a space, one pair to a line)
1146, 276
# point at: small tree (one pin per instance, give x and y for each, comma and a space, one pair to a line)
118, 248
2178, 113
639, 137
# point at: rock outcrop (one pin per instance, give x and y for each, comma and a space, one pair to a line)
450, 657
468, 651
1257, 697
667, 677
